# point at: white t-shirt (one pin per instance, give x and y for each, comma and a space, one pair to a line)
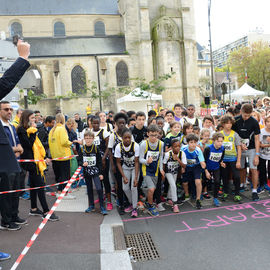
264, 152
105, 127
167, 155
117, 152
191, 121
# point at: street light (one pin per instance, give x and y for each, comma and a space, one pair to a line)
211, 52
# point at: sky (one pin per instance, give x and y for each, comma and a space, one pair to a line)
230, 20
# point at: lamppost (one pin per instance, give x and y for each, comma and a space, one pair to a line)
211, 52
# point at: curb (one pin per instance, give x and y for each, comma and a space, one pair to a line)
110, 258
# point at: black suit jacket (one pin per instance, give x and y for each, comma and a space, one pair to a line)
8, 162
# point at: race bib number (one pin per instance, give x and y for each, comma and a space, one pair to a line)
153, 154
191, 161
215, 157
96, 141
172, 166
90, 160
228, 146
130, 162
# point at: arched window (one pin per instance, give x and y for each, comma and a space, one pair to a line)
15, 29
59, 29
99, 29
122, 74
78, 79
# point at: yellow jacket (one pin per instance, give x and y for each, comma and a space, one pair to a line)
59, 143
16, 121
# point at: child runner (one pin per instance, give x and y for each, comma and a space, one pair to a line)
101, 141
160, 123
213, 156
151, 156
104, 124
127, 159
120, 120
175, 128
172, 163
195, 162
169, 117
232, 157
177, 112
187, 129
208, 123
90, 159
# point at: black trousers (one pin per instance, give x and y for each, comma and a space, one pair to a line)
119, 190
9, 203
225, 174
263, 172
106, 181
158, 190
216, 176
61, 171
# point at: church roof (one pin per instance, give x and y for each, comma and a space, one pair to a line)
57, 7
76, 46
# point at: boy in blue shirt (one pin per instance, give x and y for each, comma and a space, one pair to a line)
195, 163
214, 155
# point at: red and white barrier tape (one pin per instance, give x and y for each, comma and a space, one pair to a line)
38, 160
45, 220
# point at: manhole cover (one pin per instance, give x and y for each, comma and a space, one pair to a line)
142, 247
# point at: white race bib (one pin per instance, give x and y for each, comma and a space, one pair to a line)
90, 160
191, 161
96, 141
173, 165
228, 146
153, 154
215, 156
246, 142
129, 161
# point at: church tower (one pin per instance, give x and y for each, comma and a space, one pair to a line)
160, 39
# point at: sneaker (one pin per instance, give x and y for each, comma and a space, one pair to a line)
117, 203
242, 189
25, 196
169, 202
198, 204
19, 221
140, 205
134, 213
266, 187
103, 210
142, 198
91, 208
216, 202
206, 196
180, 202
260, 190
160, 207
162, 199
255, 196
237, 198
109, 206
53, 217
4, 256
10, 226
113, 192
128, 209
175, 209
121, 210
224, 197
69, 197
187, 198
36, 212
153, 211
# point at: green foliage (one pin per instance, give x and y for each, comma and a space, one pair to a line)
223, 69
32, 98
256, 61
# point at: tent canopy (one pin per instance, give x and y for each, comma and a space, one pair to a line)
139, 95
245, 91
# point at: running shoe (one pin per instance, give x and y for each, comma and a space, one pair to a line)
169, 202
128, 209
140, 205
4, 256
206, 196
109, 206
175, 209
237, 198
153, 211
36, 212
160, 207
255, 196
260, 190
19, 221
10, 226
187, 198
142, 198
91, 208
216, 202
198, 204
224, 197
53, 217
121, 210
162, 199
103, 211
266, 187
69, 197
113, 192
134, 213
25, 196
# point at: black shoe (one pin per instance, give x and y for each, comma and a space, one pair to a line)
198, 204
36, 212
255, 196
53, 217
10, 227
121, 210
19, 221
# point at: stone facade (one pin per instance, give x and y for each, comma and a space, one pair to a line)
159, 39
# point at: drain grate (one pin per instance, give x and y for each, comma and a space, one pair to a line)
142, 247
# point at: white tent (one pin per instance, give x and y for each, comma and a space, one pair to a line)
244, 92
138, 100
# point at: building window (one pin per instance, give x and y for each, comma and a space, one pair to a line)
99, 29
59, 29
78, 79
122, 74
15, 29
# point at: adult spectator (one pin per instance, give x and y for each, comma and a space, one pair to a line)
249, 130
17, 118
110, 118
190, 118
38, 119
79, 122
8, 162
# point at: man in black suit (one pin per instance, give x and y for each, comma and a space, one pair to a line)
8, 162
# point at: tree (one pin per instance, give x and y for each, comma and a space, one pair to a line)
255, 61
